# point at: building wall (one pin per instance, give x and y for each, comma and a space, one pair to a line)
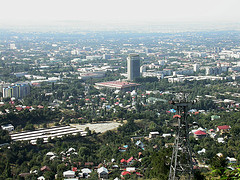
133, 66
17, 91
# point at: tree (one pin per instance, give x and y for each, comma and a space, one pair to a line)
160, 164
7, 171
49, 175
218, 165
39, 141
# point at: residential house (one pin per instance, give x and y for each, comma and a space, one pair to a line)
202, 151
130, 161
8, 127
123, 149
195, 125
167, 145
214, 117
102, 173
211, 130
131, 169
74, 169
199, 134
45, 168
41, 178
69, 174
153, 134
231, 160
24, 175
220, 140
223, 129
50, 154
213, 135
140, 144
86, 172
167, 135
115, 166
124, 173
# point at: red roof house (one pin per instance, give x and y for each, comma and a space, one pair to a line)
199, 134
223, 129
139, 174
45, 168
74, 169
123, 160
27, 107
176, 116
130, 160
19, 108
40, 107
125, 173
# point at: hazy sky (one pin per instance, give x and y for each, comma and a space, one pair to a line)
37, 11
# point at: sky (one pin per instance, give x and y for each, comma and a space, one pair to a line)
15, 12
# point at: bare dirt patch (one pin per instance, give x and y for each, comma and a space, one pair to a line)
99, 127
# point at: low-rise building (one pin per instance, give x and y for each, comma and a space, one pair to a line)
153, 134
223, 129
199, 134
69, 174
8, 127
102, 173
231, 160
120, 85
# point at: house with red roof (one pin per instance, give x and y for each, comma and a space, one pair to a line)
123, 161
45, 168
19, 108
74, 169
40, 107
139, 174
130, 160
28, 107
199, 134
124, 173
223, 129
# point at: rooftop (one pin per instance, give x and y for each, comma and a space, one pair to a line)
199, 132
117, 84
224, 127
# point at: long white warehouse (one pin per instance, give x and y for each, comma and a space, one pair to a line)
53, 132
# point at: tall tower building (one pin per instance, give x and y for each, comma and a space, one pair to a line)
196, 67
133, 66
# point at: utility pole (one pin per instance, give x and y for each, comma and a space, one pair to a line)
181, 163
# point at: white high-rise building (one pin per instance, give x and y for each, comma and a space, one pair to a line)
196, 67
12, 46
143, 68
161, 62
133, 66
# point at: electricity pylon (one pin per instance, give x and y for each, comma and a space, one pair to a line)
181, 163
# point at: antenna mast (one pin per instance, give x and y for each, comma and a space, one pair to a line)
181, 163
